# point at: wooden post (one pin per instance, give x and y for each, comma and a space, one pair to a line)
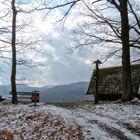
97, 62
35, 98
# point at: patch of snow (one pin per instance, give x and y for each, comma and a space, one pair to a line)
85, 122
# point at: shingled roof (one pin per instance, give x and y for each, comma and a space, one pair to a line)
110, 80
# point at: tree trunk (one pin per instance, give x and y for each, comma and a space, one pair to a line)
13, 45
126, 74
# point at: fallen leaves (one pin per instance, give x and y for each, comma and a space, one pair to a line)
39, 125
6, 135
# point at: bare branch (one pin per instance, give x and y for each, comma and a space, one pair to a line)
134, 13
115, 4
108, 56
134, 61
50, 8
105, 20
4, 41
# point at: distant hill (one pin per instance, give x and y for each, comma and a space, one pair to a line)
4, 90
74, 92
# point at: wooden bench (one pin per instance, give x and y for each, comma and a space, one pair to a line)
27, 96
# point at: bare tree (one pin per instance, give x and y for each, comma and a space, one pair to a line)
11, 38
13, 45
117, 33
120, 35
126, 75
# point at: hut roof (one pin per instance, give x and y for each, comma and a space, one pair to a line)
111, 72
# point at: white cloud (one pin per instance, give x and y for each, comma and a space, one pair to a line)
60, 65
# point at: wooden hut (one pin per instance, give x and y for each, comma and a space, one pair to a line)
110, 82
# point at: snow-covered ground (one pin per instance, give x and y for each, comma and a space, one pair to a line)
107, 121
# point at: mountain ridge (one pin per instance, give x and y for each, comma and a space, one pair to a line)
73, 92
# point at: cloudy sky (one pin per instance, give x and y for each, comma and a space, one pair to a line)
58, 62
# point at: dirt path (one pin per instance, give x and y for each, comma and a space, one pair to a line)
111, 128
